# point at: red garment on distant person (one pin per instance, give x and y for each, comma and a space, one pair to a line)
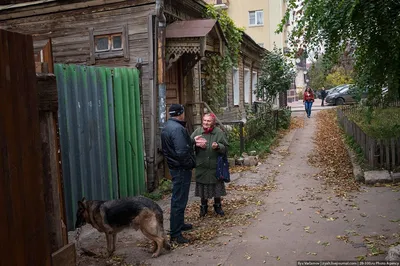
308, 96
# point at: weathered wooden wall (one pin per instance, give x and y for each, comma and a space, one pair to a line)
68, 26
24, 236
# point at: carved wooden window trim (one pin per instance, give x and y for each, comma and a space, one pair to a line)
110, 52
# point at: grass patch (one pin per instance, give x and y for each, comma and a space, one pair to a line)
259, 134
380, 123
164, 188
261, 146
350, 141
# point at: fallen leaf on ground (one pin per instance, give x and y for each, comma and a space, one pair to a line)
332, 156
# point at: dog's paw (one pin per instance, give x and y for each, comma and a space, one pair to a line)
155, 255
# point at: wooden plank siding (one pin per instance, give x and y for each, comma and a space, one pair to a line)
69, 31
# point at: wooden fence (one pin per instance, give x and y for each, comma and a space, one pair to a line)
23, 224
378, 153
30, 181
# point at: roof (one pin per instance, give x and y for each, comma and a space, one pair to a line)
191, 28
248, 41
25, 4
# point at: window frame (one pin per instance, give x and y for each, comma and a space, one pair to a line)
110, 32
255, 18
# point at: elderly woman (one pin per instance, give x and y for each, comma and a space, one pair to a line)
210, 142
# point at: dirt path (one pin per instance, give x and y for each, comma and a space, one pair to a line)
299, 220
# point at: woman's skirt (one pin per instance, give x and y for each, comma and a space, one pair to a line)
208, 191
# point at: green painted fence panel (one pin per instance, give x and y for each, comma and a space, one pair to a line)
129, 132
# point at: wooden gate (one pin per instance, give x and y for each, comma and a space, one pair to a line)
24, 234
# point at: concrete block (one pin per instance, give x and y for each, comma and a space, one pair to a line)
253, 153
373, 177
250, 161
239, 161
396, 177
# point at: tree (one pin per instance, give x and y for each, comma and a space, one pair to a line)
276, 75
317, 74
367, 30
217, 66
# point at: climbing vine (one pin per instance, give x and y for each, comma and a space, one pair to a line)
217, 66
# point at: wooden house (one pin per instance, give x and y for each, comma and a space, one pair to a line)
167, 39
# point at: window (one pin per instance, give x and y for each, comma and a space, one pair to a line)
256, 18
246, 85
105, 43
108, 43
235, 87
254, 86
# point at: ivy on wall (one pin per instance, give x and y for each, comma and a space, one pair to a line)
217, 66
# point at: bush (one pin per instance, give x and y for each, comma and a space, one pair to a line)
284, 118
380, 123
259, 131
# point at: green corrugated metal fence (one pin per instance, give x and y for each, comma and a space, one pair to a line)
101, 133
129, 131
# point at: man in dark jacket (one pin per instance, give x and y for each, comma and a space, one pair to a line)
178, 150
323, 95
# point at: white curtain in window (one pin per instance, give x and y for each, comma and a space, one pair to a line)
260, 17
246, 85
254, 86
235, 87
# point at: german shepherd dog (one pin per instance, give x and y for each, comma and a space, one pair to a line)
111, 217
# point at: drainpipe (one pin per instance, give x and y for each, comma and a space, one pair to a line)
161, 61
151, 171
158, 85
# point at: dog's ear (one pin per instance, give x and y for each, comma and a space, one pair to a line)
81, 204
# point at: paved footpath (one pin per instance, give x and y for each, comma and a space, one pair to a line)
293, 222
300, 220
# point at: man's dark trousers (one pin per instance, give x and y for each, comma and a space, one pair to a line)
180, 193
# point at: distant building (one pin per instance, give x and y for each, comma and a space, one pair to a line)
260, 18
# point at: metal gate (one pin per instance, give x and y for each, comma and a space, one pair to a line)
101, 134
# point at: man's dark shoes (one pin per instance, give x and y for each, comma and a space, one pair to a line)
180, 239
187, 227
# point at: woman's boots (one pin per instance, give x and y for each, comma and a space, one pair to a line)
203, 207
217, 207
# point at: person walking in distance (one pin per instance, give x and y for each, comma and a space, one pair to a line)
323, 95
178, 150
308, 100
210, 142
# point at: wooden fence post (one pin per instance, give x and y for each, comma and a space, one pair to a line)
48, 106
